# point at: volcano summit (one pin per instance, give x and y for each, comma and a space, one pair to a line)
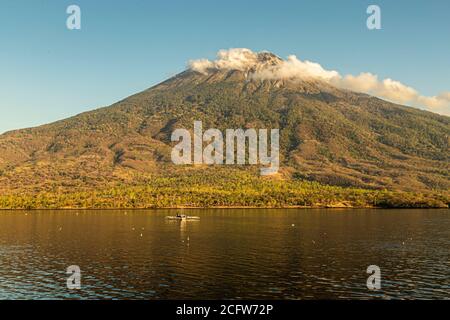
338, 147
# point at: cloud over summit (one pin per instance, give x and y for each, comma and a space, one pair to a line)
232, 59
293, 68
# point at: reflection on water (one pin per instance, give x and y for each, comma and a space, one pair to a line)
228, 254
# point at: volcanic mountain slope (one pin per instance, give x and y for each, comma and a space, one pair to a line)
328, 135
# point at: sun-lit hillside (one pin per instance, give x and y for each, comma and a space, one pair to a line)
328, 135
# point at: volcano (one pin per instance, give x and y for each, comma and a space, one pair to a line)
328, 136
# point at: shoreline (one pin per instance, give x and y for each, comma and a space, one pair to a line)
223, 207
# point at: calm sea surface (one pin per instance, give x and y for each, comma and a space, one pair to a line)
228, 254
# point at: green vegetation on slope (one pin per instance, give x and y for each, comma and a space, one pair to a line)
328, 135
330, 140
210, 188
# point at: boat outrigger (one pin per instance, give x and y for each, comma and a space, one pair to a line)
182, 217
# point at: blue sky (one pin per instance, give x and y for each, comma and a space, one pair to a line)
48, 72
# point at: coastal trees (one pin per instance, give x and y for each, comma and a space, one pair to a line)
212, 188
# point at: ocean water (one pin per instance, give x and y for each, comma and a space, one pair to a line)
227, 254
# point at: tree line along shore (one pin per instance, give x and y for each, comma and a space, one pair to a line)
236, 190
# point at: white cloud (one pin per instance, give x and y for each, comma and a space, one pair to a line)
201, 65
439, 104
445, 96
293, 68
233, 59
396, 91
364, 82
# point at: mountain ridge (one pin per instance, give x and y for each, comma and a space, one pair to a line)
329, 135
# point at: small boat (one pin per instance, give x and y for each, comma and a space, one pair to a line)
182, 217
